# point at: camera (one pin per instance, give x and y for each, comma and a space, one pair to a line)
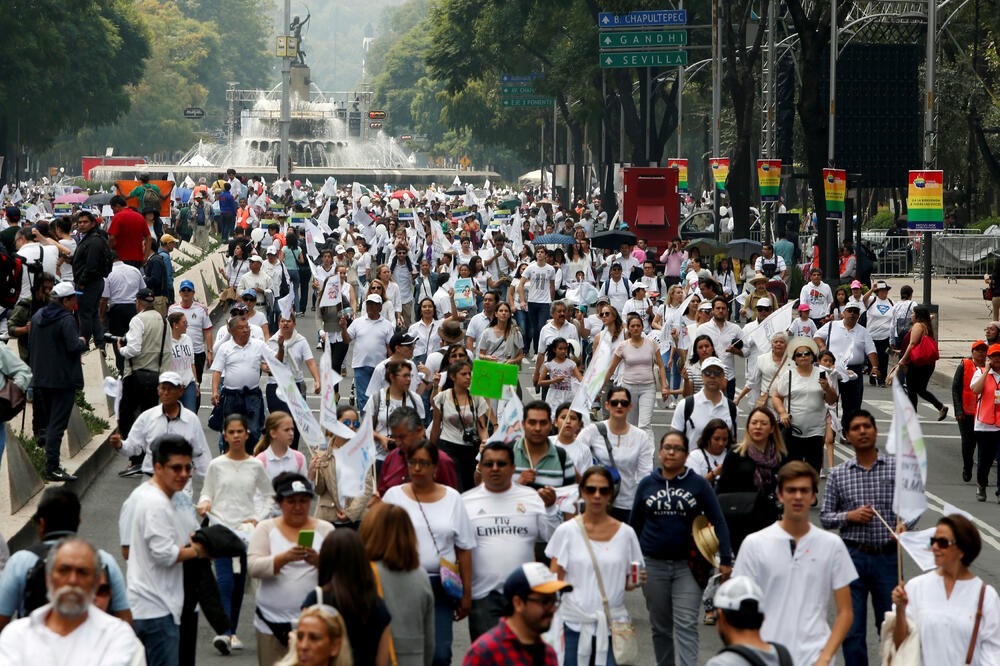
471, 437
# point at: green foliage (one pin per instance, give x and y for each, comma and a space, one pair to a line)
95, 424
36, 453
883, 219
81, 401
985, 223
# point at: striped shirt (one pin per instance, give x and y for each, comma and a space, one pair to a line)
551, 470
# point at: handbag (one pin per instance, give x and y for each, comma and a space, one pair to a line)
924, 352
12, 400
451, 581
624, 644
378, 588
762, 398
988, 294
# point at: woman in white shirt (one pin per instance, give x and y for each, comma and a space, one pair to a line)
716, 440
630, 447
799, 398
182, 359
761, 379
377, 287
424, 330
293, 350
947, 605
274, 448
574, 547
236, 267
392, 295
227, 497
286, 569
395, 394
444, 534
255, 317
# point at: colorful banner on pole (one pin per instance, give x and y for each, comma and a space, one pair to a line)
925, 201
835, 187
769, 179
682, 173
720, 171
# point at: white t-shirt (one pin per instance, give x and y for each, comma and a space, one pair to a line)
240, 366
721, 339
578, 452
704, 410
805, 399
198, 322
230, 485
479, 323
701, 462
617, 293
945, 623
549, 333
370, 338
182, 358
446, 518
805, 328
155, 577
633, 453
297, 352
66, 270
797, 586
819, 298
539, 280
880, 316
641, 308
614, 558
507, 524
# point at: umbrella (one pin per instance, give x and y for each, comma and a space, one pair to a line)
553, 239
742, 248
612, 240
403, 194
99, 199
75, 197
707, 246
455, 191
545, 201
509, 204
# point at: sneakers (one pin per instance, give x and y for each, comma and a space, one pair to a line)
235, 643
59, 475
980, 494
131, 470
223, 644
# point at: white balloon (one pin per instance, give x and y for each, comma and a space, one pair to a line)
394, 204
365, 201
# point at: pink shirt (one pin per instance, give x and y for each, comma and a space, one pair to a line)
637, 362
673, 262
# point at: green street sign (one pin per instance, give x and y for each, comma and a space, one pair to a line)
635, 40
517, 90
643, 59
525, 102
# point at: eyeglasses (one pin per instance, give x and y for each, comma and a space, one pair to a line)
713, 372
940, 542
674, 449
604, 491
351, 424
547, 601
180, 467
802, 354
490, 464
619, 403
419, 464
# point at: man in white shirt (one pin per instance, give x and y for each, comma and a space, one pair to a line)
70, 629
850, 344
158, 547
508, 518
723, 334
798, 566
481, 321
276, 271
880, 310
498, 259
694, 412
240, 360
818, 295
371, 335
616, 287
256, 279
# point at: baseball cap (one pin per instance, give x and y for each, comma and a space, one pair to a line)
251, 293
804, 307
374, 298
532, 577
66, 289
171, 378
711, 362
340, 249
398, 339
856, 284
256, 257
761, 303
994, 349
167, 238
239, 309
854, 305
637, 286
705, 305
12, 212
294, 487
739, 593
979, 343
187, 284
272, 250
144, 295
882, 284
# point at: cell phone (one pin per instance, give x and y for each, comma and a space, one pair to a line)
822, 374
306, 538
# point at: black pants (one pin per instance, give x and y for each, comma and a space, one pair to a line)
200, 588
89, 309
56, 404
851, 395
917, 378
464, 457
135, 400
338, 352
882, 357
119, 316
988, 443
965, 428
807, 449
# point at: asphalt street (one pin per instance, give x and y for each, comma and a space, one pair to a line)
102, 502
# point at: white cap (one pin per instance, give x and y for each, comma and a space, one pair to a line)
272, 250
734, 592
171, 378
705, 305
256, 257
763, 303
374, 298
65, 290
711, 362
340, 249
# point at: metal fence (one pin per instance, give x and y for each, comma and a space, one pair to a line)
954, 255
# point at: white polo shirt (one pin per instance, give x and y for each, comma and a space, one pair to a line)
703, 412
850, 347
122, 284
797, 585
477, 324
721, 339
198, 322
240, 366
549, 333
370, 338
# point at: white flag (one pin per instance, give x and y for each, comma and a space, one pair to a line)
288, 391
593, 378
917, 545
330, 187
778, 320
354, 459
331, 292
511, 425
329, 378
286, 305
906, 442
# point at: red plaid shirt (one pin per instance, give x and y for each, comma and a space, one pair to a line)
501, 647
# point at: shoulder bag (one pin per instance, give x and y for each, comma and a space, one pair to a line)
975, 628
451, 581
924, 352
616, 477
624, 644
378, 587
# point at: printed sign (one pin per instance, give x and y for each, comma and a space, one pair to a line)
769, 179
925, 201
835, 187
720, 171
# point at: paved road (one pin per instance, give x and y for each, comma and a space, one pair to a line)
944, 482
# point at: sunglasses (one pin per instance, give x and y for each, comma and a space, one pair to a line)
713, 372
803, 354
180, 467
419, 464
351, 424
604, 491
619, 403
490, 464
940, 542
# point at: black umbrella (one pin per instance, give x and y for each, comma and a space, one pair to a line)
743, 248
612, 240
99, 199
706, 246
455, 191
553, 239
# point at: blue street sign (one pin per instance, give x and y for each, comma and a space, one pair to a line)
646, 18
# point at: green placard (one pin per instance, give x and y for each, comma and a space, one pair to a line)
517, 90
488, 378
643, 59
636, 40
526, 101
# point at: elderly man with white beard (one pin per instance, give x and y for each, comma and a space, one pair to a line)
70, 629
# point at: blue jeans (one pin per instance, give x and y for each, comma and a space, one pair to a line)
538, 314
231, 587
571, 639
249, 403
362, 377
673, 599
674, 372
293, 283
876, 576
161, 638
521, 318
190, 397
444, 610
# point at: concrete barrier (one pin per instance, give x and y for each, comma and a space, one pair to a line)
22, 477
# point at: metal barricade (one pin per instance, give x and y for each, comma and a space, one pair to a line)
960, 255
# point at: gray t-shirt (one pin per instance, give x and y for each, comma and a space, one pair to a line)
769, 657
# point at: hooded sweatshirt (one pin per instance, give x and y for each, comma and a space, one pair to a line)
56, 348
664, 511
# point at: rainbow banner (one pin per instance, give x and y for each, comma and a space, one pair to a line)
769, 179
925, 201
720, 171
835, 187
682, 173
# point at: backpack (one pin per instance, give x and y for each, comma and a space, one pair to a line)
154, 278
689, 410
150, 198
36, 592
784, 657
903, 323
11, 267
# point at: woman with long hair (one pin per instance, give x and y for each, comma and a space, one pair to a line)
274, 450
377, 287
395, 394
642, 367
231, 482
320, 639
597, 535
672, 346
799, 398
568, 425
391, 544
501, 342
726, 279
751, 470
520, 316
480, 280
444, 534
841, 297
460, 421
701, 348
346, 582
713, 447
292, 258
918, 376
323, 472
234, 269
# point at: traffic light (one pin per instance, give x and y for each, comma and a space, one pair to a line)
377, 115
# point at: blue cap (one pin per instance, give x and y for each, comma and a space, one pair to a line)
250, 292
187, 284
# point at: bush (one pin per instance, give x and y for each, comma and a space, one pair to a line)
985, 223
881, 220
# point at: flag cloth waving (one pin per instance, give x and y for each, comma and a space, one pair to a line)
906, 442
